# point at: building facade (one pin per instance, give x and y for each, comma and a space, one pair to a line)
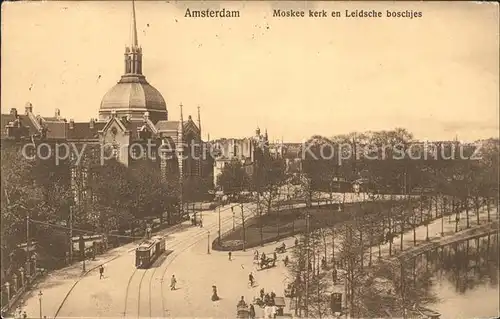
132, 124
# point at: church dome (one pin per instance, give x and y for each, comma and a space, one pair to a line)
137, 95
133, 96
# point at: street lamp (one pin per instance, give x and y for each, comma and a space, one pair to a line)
83, 265
232, 209
219, 223
40, 294
208, 242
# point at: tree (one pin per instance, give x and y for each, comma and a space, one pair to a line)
234, 177
21, 198
267, 179
304, 275
114, 200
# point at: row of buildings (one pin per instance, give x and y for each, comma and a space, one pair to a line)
132, 118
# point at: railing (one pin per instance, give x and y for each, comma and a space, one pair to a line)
15, 288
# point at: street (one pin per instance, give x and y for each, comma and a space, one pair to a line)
128, 292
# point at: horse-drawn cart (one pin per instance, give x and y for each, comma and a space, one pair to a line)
279, 302
242, 312
267, 263
280, 249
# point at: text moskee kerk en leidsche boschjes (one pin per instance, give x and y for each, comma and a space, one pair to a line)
321, 13
358, 13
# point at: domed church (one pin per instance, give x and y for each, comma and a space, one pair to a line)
133, 96
132, 114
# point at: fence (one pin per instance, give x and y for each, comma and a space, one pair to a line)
19, 282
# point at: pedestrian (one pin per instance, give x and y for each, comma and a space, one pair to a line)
286, 260
25, 315
252, 311
296, 242
215, 296
229, 255
275, 256
262, 293
101, 272
173, 282
251, 279
201, 223
334, 275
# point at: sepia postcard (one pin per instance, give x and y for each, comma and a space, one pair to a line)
250, 159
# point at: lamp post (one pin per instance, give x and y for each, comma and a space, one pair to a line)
40, 294
219, 224
243, 225
208, 242
232, 209
83, 265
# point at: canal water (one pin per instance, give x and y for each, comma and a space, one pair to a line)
461, 279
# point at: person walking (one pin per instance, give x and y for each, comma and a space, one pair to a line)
173, 282
101, 272
251, 279
229, 254
215, 296
252, 312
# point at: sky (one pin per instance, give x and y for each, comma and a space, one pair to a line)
437, 76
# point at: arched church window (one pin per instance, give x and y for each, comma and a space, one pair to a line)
115, 151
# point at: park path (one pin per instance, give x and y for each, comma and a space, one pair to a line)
435, 239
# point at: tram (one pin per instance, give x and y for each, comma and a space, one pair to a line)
148, 251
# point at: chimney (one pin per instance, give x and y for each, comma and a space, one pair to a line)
71, 124
13, 112
28, 107
58, 114
91, 124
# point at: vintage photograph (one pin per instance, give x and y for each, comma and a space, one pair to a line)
249, 159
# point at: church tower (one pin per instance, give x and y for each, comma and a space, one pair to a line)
133, 96
133, 52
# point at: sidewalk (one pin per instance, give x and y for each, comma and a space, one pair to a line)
57, 285
447, 225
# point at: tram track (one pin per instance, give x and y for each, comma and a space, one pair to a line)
223, 222
177, 248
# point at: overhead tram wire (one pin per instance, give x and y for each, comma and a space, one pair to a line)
80, 230
97, 233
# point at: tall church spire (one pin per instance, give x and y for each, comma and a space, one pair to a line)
133, 53
133, 32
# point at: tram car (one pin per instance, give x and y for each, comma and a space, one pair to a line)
148, 251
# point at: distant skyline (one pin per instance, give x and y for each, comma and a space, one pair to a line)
437, 76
